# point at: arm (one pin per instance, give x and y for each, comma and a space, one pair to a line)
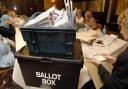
93, 23
12, 43
111, 81
82, 20
109, 58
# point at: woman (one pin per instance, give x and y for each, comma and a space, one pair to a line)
89, 20
12, 17
118, 79
79, 19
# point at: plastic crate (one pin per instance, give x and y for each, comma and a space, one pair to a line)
50, 73
47, 40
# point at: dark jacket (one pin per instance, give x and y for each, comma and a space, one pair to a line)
8, 32
119, 77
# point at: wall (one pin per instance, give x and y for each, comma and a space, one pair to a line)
121, 5
47, 4
95, 6
27, 7
81, 5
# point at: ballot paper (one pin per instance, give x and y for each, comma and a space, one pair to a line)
41, 17
64, 22
54, 17
99, 58
47, 18
91, 52
109, 39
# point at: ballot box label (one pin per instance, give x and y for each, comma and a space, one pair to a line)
48, 78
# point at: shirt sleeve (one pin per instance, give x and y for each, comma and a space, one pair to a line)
110, 81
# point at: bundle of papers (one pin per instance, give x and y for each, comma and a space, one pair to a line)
53, 17
105, 41
46, 18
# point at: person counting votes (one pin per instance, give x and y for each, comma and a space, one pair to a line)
118, 79
90, 20
79, 19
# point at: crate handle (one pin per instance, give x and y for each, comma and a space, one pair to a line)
46, 60
49, 31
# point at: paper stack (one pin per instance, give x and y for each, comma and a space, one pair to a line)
53, 17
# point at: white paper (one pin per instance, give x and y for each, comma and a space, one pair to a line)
90, 52
64, 22
99, 58
104, 41
41, 17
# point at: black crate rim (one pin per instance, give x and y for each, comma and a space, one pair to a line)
52, 60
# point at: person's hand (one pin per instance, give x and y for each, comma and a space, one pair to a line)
10, 42
109, 58
94, 61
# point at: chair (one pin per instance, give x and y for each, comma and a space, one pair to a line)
5, 77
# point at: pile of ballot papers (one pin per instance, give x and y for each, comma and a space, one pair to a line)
54, 17
105, 41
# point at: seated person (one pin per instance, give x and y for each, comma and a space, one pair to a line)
6, 55
89, 20
79, 19
12, 16
6, 28
118, 79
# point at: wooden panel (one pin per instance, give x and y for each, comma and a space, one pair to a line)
47, 4
95, 6
26, 7
81, 5
121, 6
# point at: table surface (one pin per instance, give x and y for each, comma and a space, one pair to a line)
115, 49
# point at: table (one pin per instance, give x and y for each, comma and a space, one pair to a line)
115, 49
88, 72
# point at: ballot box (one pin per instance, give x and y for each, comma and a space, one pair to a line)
51, 73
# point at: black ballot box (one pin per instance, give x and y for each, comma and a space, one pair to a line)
51, 73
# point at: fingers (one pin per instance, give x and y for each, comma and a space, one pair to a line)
107, 56
94, 61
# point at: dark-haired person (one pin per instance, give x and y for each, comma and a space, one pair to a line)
6, 28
